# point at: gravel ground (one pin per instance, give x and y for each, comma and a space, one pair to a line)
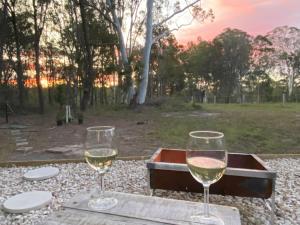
130, 176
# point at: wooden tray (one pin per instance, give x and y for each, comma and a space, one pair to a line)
246, 175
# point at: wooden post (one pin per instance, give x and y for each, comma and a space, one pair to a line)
215, 99
283, 98
67, 114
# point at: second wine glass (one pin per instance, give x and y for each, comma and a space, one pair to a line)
206, 158
100, 151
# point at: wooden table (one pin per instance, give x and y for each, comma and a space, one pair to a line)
137, 210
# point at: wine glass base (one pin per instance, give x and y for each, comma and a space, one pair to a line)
203, 219
102, 203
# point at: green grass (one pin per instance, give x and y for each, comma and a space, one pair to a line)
263, 128
255, 128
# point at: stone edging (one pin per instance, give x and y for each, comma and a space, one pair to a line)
62, 161
127, 158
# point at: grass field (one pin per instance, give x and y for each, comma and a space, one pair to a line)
259, 128
253, 128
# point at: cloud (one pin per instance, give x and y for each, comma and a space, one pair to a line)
252, 16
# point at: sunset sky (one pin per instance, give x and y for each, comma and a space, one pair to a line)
252, 16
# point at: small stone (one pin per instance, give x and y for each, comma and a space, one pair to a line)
21, 139
21, 143
22, 148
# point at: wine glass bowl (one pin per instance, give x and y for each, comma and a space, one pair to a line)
206, 158
99, 152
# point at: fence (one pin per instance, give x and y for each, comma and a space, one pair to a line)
254, 99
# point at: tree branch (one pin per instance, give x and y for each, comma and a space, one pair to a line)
175, 13
105, 16
167, 32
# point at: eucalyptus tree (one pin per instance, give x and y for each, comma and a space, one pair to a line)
5, 31
232, 53
155, 21
7, 64
170, 71
258, 78
88, 43
113, 11
289, 67
65, 15
125, 16
198, 61
39, 8
17, 15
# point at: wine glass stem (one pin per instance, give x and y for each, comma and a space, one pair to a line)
101, 188
206, 200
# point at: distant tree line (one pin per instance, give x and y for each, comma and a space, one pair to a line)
81, 51
234, 63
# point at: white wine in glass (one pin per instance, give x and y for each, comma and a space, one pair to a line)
100, 151
206, 158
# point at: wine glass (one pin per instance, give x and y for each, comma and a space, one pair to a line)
100, 151
206, 158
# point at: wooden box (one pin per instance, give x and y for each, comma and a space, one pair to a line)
245, 176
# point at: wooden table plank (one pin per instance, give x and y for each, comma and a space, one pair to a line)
137, 209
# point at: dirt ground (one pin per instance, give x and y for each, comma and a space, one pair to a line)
42, 134
251, 128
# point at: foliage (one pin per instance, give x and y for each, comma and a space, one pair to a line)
169, 73
232, 49
60, 95
80, 115
60, 116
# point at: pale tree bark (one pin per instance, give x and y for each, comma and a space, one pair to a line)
149, 40
124, 55
112, 18
290, 80
146, 57
118, 27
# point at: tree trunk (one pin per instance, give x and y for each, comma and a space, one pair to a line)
37, 75
19, 70
1, 63
129, 89
50, 95
88, 64
3, 21
92, 96
37, 35
146, 56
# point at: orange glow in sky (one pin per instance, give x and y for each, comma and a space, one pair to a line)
252, 16
44, 83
